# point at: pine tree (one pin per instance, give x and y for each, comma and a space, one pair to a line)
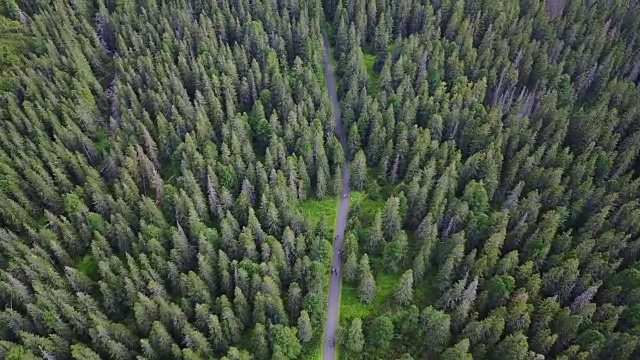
350, 268
459, 351
260, 346
367, 284
305, 332
435, 325
241, 307
381, 331
336, 183
375, 240
359, 170
321, 184
284, 341
354, 341
367, 288
404, 291
391, 220
514, 346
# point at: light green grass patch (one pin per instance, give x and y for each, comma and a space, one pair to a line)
351, 306
369, 63
314, 209
102, 141
88, 266
370, 207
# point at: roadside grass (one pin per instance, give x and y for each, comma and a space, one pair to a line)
314, 209
364, 207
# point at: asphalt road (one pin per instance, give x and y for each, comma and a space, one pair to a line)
341, 220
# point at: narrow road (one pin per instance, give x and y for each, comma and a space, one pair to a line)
341, 220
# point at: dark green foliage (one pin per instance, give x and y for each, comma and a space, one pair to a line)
514, 190
136, 193
155, 158
381, 332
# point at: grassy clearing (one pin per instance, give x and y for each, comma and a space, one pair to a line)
88, 266
351, 306
102, 141
369, 62
314, 209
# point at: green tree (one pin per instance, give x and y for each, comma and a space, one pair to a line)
381, 331
354, 341
78, 351
259, 345
404, 291
375, 240
391, 219
435, 326
305, 332
514, 346
367, 288
459, 351
359, 170
350, 268
285, 341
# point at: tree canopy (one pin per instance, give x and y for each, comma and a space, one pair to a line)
165, 170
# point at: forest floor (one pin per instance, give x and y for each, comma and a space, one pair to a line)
369, 63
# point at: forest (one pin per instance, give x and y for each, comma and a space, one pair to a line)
170, 172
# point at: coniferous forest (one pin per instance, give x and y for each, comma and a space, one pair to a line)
169, 173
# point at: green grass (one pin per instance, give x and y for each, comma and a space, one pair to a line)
369, 63
102, 141
314, 209
368, 208
88, 266
351, 307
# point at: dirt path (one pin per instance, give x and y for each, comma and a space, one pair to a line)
341, 220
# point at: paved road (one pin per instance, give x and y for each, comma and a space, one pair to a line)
341, 222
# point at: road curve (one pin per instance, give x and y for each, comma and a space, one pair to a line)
341, 220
